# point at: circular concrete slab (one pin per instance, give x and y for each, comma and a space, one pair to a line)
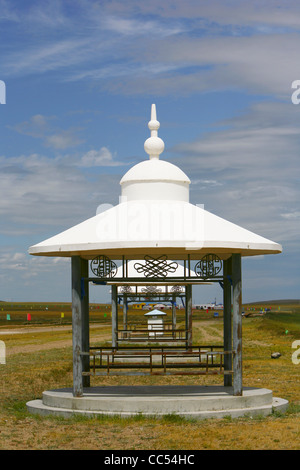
188, 401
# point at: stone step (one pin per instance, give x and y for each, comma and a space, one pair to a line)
194, 401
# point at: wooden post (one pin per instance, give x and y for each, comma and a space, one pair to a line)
188, 306
85, 339
173, 312
237, 323
114, 315
227, 334
77, 326
125, 310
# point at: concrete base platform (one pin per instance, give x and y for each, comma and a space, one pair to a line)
187, 401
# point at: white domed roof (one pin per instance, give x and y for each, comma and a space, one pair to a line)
155, 170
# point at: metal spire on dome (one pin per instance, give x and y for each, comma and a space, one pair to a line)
154, 146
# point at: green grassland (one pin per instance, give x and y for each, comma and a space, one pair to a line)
41, 360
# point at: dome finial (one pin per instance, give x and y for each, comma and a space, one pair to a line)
154, 146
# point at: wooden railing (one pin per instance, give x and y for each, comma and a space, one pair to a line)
153, 335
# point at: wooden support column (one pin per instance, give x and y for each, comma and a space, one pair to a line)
77, 325
237, 323
85, 324
114, 315
125, 310
188, 310
227, 324
173, 312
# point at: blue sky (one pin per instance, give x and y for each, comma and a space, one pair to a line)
80, 80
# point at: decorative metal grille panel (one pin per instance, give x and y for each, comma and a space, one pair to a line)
208, 266
102, 266
156, 267
151, 289
177, 289
126, 290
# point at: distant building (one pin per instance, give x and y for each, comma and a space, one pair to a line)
208, 306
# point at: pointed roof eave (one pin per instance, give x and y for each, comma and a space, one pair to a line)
203, 232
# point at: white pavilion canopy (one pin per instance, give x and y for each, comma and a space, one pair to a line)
154, 216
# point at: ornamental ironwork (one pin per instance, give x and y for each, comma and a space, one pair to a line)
156, 267
208, 266
177, 289
126, 290
102, 266
151, 289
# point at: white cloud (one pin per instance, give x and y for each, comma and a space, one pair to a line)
204, 182
36, 126
86, 40
255, 160
102, 157
232, 12
39, 192
32, 278
229, 44
27, 265
41, 127
256, 64
185, 47
46, 57
63, 139
140, 27
49, 14
291, 215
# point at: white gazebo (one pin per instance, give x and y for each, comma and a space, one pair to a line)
155, 227
155, 321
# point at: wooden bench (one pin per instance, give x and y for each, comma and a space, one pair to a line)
198, 360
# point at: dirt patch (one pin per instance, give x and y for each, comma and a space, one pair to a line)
208, 333
43, 347
41, 329
62, 343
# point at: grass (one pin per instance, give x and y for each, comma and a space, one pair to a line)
42, 361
